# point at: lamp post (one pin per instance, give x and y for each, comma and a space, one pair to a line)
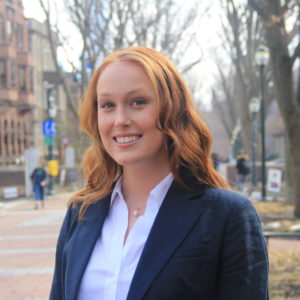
51, 112
254, 108
262, 57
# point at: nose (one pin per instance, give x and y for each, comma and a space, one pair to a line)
122, 118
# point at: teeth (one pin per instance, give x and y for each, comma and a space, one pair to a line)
126, 139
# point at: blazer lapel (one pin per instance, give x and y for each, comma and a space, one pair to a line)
177, 215
81, 246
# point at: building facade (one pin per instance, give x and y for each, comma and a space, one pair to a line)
27, 70
16, 85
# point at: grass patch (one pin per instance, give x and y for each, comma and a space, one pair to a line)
284, 265
284, 275
274, 208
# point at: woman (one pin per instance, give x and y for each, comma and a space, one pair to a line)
154, 220
38, 178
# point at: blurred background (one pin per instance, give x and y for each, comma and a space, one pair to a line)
240, 60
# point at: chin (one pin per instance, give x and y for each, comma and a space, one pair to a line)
128, 161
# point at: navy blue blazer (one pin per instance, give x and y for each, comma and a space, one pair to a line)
205, 243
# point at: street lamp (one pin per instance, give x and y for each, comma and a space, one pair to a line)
262, 57
51, 112
254, 108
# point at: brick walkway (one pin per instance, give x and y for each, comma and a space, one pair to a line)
27, 247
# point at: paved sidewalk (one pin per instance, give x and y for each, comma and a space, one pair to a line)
27, 247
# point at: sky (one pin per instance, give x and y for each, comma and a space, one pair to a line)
207, 37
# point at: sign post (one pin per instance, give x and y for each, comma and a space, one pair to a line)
49, 132
274, 180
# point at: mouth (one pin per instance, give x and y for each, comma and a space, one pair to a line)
127, 139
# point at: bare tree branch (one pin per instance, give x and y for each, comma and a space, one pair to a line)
46, 10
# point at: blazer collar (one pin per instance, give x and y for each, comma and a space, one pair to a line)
177, 215
81, 246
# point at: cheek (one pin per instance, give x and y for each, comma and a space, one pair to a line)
102, 125
157, 137
102, 129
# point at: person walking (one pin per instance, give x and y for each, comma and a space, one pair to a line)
38, 178
243, 171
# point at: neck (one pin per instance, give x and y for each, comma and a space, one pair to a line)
139, 181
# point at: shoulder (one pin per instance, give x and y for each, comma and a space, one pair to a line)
230, 203
71, 218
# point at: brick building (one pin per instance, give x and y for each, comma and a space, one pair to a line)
26, 70
16, 85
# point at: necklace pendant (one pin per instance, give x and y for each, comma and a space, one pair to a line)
136, 213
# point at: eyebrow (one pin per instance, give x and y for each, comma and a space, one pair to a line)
127, 94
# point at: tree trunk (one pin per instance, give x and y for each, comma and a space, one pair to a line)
288, 176
281, 64
282, 73
294, 168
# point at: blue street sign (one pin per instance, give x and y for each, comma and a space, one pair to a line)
49, 128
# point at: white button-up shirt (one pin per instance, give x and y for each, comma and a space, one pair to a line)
112, 264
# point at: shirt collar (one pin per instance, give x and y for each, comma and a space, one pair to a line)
158, 193
117, 190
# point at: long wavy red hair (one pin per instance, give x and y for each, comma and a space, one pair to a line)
186, 137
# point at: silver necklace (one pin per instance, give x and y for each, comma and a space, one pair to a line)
137, 211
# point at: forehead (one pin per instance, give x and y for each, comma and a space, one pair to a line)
123, 75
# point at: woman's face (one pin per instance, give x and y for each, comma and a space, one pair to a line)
127, 114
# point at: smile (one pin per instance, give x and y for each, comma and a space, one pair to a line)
127, 139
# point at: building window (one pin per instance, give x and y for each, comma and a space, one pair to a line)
22, 78
31, 80
20, 36
2, 35
30, 36
10, 11
13, 73
9, 30
2, 73
5, 137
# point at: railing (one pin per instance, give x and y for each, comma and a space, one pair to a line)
285, 235
265, 218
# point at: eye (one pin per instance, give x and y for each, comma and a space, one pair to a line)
139, 102
106, 105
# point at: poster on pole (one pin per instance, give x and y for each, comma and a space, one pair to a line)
274, 180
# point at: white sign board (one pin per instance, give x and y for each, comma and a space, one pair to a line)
69, 157
62, 177
11, 192
274, 180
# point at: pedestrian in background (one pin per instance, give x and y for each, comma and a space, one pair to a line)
38, 178
243, 170
155, 219
216, 161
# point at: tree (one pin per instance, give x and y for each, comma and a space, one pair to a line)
104, 26
241, 34
284, 49
53, 45
226, 107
